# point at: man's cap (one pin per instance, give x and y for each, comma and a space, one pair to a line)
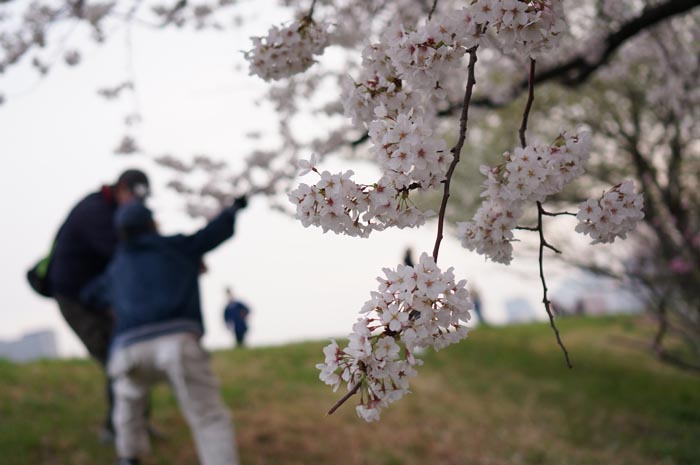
133, 216
136, 181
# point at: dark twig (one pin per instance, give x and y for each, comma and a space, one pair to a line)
546, 213
350, 393
311, 10
457, 149
545, 300
528, 105
551, 247
432, 10
526, 228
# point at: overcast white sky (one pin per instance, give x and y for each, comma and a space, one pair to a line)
56, 146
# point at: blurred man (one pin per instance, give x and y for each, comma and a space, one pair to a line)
236, 317
152, 288
82, 249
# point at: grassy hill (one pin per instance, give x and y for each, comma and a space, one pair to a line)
502, 397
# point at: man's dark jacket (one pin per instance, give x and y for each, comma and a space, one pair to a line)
84, 244
152, 284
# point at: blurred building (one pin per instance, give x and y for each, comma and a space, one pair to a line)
519, 310
588, 294
31, 346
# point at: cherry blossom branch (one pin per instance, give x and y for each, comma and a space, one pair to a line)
540, 213
342, 400
579, 68
457, 149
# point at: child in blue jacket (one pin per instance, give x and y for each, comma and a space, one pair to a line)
152, 289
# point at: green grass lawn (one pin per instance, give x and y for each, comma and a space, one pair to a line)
504, 396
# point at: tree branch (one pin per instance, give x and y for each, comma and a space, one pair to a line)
457, 149
311, 10
540, 213
342, 400
546, 213
578, 69
528, 105
432, 10
545, 299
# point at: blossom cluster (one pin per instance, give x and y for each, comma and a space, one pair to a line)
409, 156
379, 84
406, 150
529, 174
287, 50
613, 215
423, 55
527, 27
410, 59
414, 307
337, 203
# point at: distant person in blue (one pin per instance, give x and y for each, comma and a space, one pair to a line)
152, 288
236, 317
476, 300
83, 247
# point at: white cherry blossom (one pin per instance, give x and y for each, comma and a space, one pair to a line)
615, 214
413, 308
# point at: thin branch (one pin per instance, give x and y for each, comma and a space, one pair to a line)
350, 393
551, 247
311, 10
526, 228
540, 213
457, 149
545, 299
432, 10
546, 213
528, 105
